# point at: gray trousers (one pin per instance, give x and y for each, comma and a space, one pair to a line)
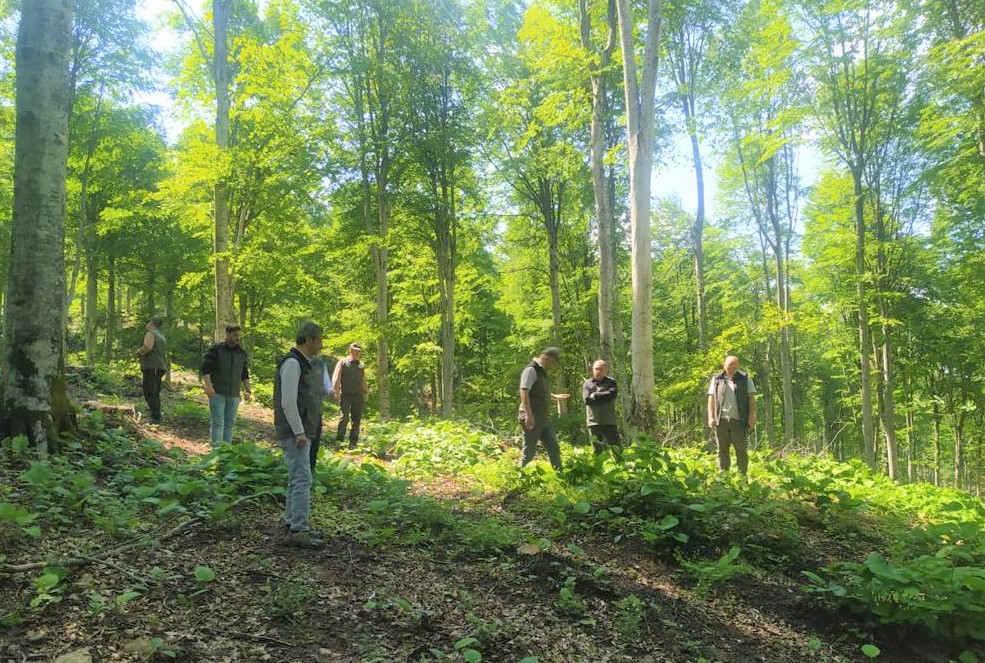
732, 433
543, 431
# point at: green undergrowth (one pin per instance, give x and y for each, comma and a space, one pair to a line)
852, 540
901, 555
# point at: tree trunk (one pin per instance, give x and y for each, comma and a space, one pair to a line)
553, 224
446, 286
33, 331
224, 313
640, 118
600, 186
864, 333
83, 235
699, 224
936, 470
958, 434
92, 306
111, 308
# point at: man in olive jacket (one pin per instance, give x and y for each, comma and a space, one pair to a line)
732, 412
351, 389
599, 393
154, 362
225, 371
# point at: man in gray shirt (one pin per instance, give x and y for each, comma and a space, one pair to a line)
535, 407
297, 412
732, 412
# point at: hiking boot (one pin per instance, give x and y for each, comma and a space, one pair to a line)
303, 540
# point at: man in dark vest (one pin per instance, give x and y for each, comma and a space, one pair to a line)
226, 370
599, 393
320, 383
296, 415
154, 363
732, 412
535, 407
351, 388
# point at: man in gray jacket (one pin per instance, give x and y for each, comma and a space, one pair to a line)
599, 393
296, 415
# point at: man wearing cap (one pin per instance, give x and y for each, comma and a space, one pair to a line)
731, 412
535, 407
349, 382
153, 356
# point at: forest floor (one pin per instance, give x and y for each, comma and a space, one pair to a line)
363, 600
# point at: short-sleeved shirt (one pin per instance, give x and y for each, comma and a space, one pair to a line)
729, 406
528, 377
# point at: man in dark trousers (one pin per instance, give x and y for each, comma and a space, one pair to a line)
535, 407
225, 371
351, 388
599, 393
731, 413
297, 410
320, 382
154, 363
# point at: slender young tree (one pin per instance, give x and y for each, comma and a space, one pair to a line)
32, 388
640, 89
600, 60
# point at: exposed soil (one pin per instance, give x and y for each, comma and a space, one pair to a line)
354, 603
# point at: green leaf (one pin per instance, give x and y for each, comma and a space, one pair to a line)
204, 574
466, 642
582, 507
871, 651
38, 475
472, 656
668, 522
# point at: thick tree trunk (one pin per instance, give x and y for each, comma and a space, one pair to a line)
33, 332
640, 118
224, 313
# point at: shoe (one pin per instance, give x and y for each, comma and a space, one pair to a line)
353, 445
303, 540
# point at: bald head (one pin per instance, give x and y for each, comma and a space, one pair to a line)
600, 369
731, 365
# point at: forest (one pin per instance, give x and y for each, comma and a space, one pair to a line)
456, 185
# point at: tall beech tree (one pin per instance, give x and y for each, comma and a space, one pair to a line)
639, 84
31, 382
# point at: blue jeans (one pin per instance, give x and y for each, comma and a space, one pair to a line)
298, 503
222, 409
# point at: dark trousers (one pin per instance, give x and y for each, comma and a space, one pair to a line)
152, 391
350, 407
606, 437
543, 431
732, 433
315, 444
